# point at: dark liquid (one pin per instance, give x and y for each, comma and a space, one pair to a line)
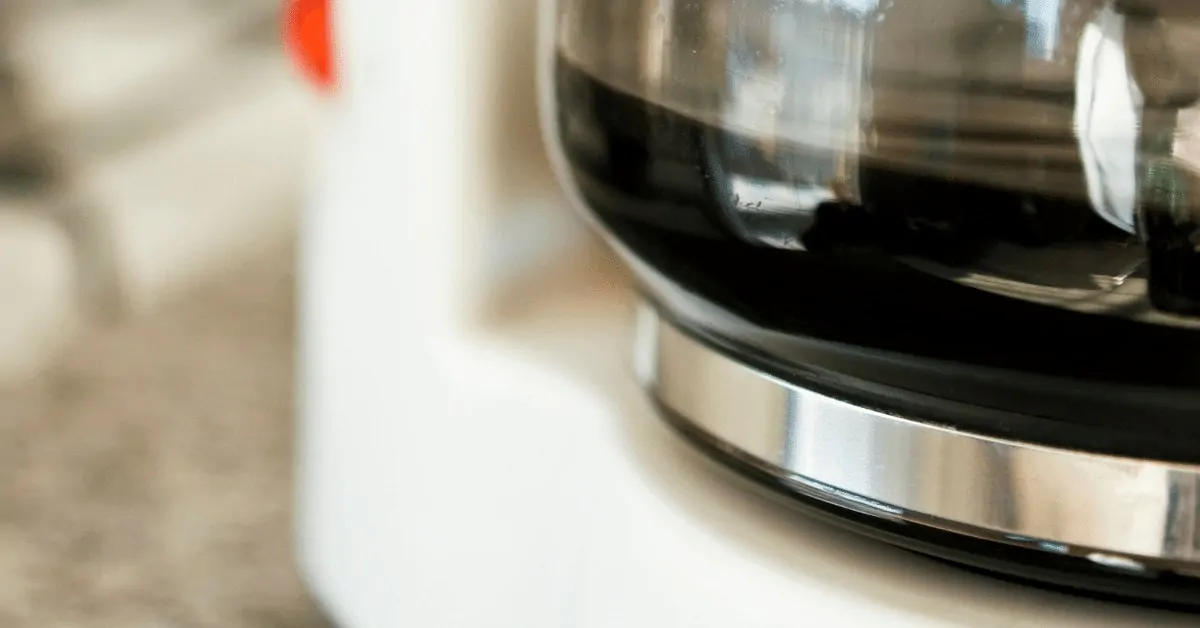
649, 174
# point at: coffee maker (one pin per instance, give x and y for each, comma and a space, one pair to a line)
478, 448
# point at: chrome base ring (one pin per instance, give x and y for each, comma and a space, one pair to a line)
1130, 517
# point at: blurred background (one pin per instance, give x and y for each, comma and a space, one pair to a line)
152, 154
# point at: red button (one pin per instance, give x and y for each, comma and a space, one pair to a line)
309, 38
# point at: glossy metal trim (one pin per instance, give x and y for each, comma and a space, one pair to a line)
1127, 514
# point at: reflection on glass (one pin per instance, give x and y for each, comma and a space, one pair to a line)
1042, 25
1108, 111
798, 75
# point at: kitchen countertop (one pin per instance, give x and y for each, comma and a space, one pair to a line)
147, 475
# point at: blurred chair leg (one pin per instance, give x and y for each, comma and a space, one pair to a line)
23, 167
30, 167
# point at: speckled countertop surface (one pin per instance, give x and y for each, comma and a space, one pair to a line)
145, 480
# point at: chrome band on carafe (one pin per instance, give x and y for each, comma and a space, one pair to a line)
1125, 514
